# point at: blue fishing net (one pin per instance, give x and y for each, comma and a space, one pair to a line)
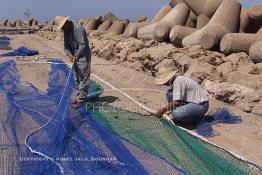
41, 134
4, 38
21, 51
222, 115
4, 42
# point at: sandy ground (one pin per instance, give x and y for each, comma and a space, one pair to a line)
244, 138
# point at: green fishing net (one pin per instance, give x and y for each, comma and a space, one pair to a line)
169, 142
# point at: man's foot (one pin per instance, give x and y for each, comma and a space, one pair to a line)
187, 125
76, 104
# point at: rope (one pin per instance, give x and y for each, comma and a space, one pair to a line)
166, 117
33, 132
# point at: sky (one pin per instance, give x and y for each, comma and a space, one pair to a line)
76, 9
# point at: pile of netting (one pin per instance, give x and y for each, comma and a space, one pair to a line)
4, 42
222, 115
41, 134
21, 51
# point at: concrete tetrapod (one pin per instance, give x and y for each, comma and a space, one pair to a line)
192, 20
209, 36
18, 23
159, 31
255, 12
93, 24
13, 23
141, 19
34, 23
105, 25
161, 13
244, 21
109, 16
5, 22
178, 33
48, 27
30, 22
85, 22
133, 27
173, 3
251, 19
118, 27
9, 24
202, 20
239, 42
207, 7
255, 52
81, 21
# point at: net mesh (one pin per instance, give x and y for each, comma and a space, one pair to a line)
169, 142
222, 115
4, 42
21, 51
41, 134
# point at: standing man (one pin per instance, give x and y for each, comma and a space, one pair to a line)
187, 101
77, 48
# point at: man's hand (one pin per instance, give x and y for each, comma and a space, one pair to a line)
75, 58
159, 113
71, 58
169, 107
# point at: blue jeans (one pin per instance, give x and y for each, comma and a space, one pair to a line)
187, 112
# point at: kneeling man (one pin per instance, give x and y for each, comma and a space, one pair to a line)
187, 101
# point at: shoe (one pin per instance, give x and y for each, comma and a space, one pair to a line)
75, 104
